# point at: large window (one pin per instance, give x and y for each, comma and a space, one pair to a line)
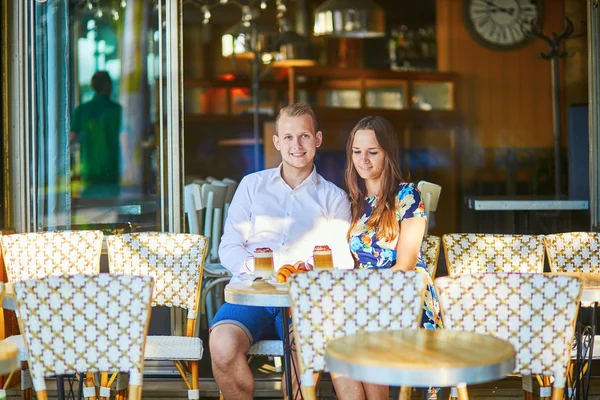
99, 142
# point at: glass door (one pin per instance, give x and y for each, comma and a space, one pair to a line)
102, 139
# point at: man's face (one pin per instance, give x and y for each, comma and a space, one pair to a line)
296, 141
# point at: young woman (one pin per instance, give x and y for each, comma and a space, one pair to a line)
388, 221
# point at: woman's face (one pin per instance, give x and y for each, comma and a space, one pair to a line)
367, 156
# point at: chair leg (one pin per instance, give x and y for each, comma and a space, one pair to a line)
41, 395
405, 393
462, 392
557, 393
309, 392
453, 393
527, 395
135, 392
195, 384
121, 394
103, 385
277, 363
27, 394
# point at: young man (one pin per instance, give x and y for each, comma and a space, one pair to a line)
290, 209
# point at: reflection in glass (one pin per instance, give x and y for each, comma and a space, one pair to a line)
432, 96
390, 98
342, 98
95, 146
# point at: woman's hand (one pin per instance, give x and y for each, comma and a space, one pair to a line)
409, 243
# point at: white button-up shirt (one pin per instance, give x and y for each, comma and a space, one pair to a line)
266, 212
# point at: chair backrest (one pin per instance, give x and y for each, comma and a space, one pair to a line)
84, 323
430, 195
329, 304
536, 313
468, 253
193, 206
214, 199
41, 254
231, 187
573, 252
174, 260
430, 249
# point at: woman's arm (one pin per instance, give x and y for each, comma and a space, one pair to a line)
409, 243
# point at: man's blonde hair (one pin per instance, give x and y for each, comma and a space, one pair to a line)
297, 110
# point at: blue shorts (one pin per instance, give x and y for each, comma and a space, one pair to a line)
259, 323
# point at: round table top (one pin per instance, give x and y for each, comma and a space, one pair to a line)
258, 293
9, 358
590, 283
421, 358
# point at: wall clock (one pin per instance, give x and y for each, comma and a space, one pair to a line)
500, 24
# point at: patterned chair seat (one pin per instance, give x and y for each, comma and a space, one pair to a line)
267, 348
173, 348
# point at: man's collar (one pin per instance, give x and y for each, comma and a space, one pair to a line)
313, 177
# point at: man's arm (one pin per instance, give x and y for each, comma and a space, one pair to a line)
232, 250
339, 222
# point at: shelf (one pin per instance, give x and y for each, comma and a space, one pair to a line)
362, 73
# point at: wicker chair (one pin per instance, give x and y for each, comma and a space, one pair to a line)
468, 253
43, 254
573, 252
430, 249
329, 304
536, 313
85, 323
176, 262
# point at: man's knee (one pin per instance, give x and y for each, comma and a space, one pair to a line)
228, 343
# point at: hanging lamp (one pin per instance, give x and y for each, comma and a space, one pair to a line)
350, 19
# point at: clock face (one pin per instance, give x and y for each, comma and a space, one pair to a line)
501, 24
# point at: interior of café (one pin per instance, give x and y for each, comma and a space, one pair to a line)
494, 105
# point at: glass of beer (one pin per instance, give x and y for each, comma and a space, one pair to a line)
322, 258
263, 263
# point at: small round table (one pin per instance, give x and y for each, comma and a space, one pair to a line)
421, 358
264, 294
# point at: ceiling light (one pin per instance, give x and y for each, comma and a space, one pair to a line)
349, 18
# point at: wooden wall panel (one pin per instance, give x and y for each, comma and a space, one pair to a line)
505, 97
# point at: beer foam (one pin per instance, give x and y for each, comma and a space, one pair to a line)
322, 252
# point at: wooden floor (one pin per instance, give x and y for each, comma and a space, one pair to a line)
268, 386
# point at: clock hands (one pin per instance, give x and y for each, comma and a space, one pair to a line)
496, 8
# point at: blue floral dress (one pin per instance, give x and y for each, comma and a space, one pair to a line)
372, 252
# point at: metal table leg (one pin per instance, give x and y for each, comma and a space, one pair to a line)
60, 388
287, 353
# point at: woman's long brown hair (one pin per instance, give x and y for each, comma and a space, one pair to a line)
383, 216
